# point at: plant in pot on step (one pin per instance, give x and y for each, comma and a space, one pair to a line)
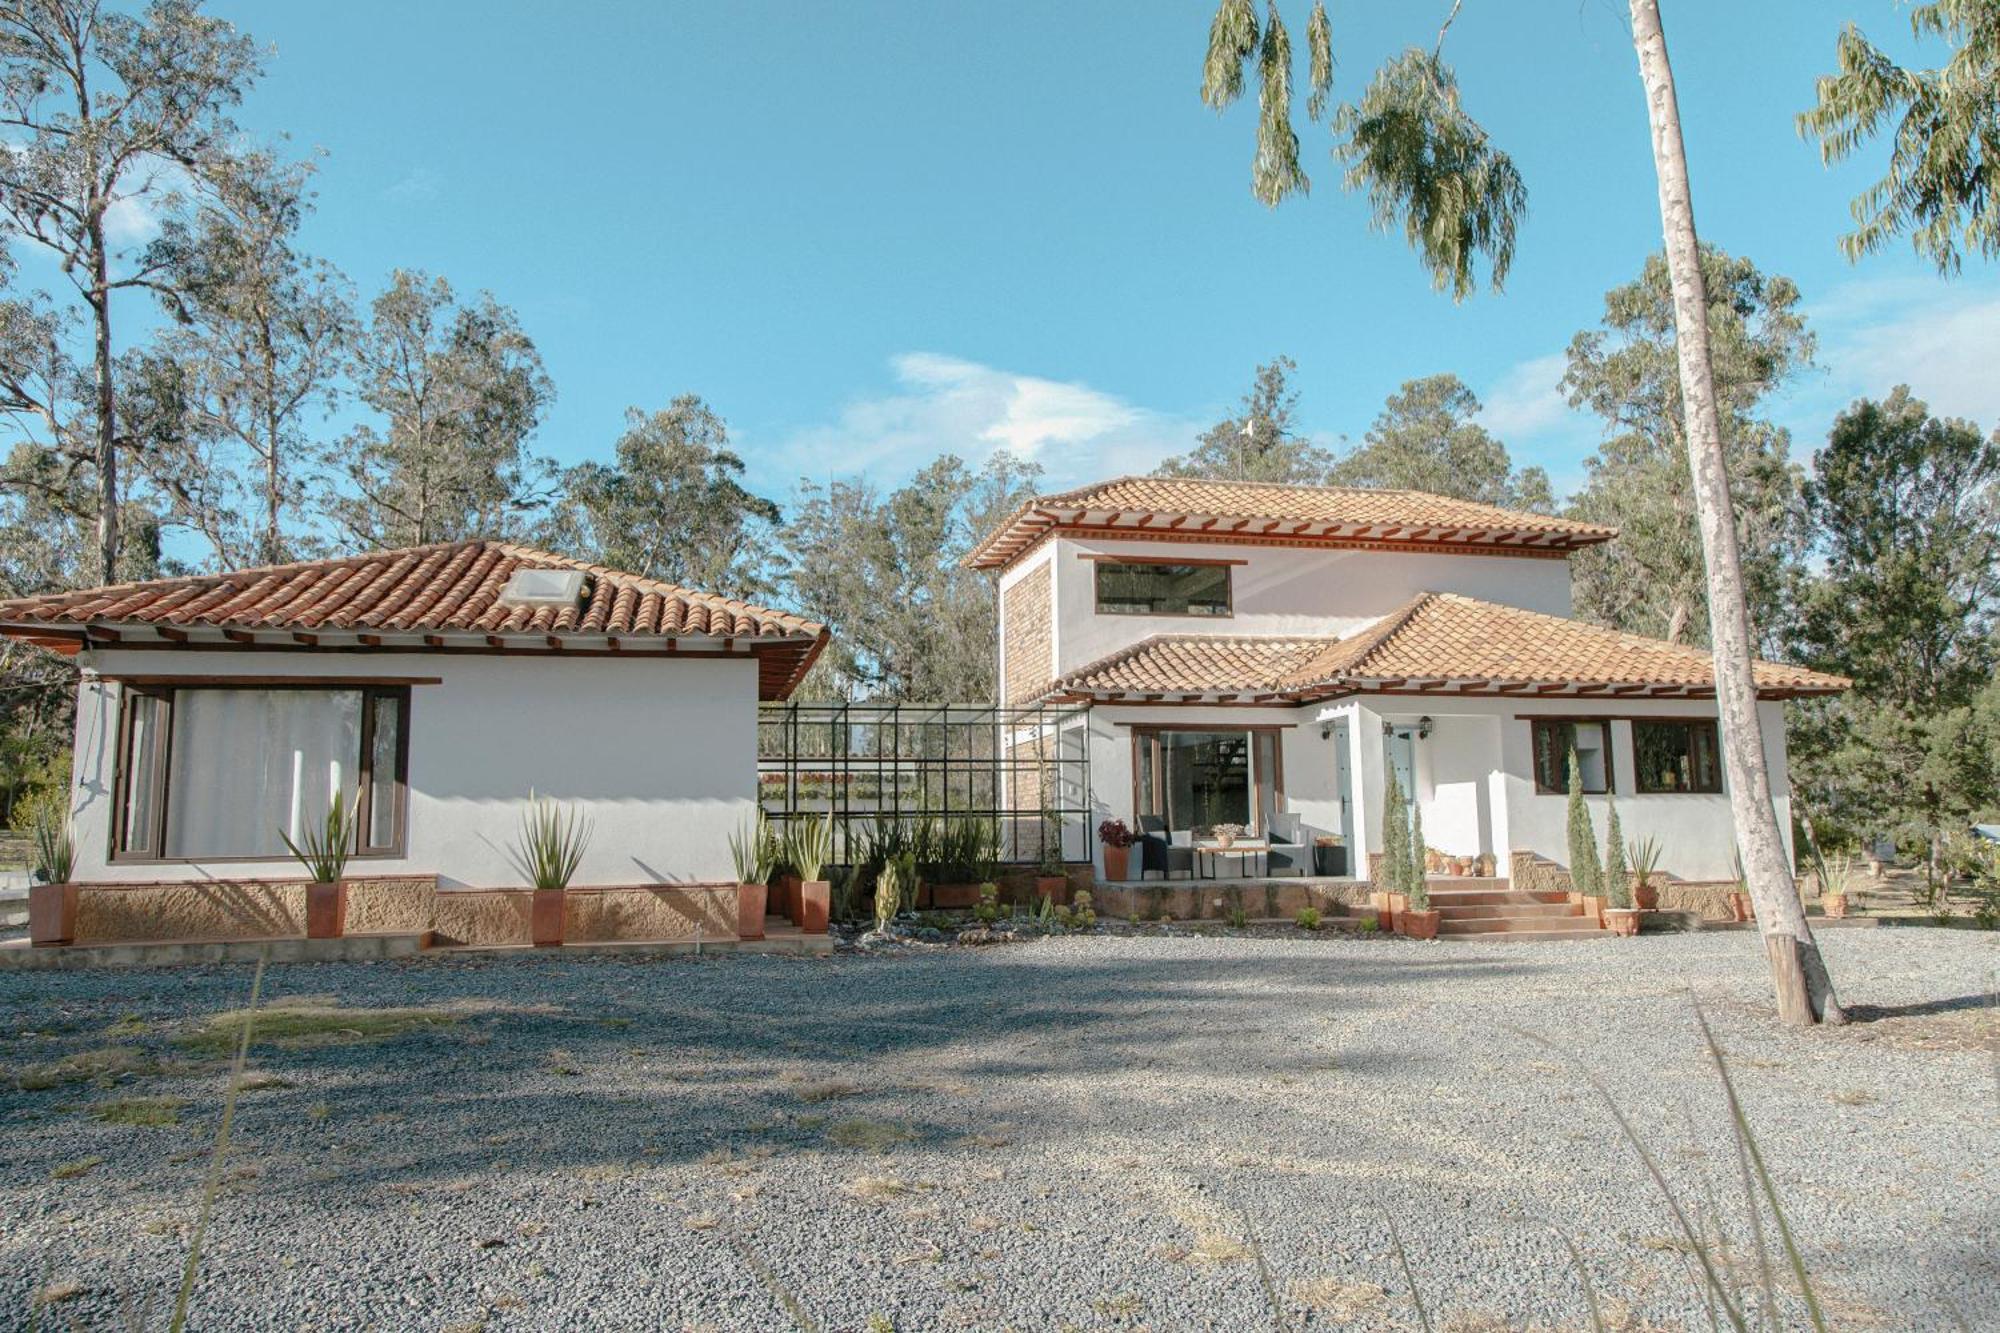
751, 849
323, 852
811, 843
1117, 840
547, 853
1419, 920
51, 894
1644, 854
1394, 865
1586, 878
1619, 912
1050, 882
1836, 877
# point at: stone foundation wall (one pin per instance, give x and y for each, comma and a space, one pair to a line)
1531, 872
1707, 899
1191, 900
483, 916
240, 909
650, 913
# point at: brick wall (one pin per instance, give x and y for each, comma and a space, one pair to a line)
1027, 621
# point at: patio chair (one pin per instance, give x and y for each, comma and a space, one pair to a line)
1162, 850
1291, 850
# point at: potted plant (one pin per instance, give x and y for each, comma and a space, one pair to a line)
1117, 840
1586, 878
1225, 835
1836, 877
1433, 860
1482, 865
811, 842
324, 857
547, 852
1392, 870
1644, 856
751, 850
1620, 914
1420, 921
1050, 882
51, 894
1330, 856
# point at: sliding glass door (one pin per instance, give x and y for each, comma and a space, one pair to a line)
1196, 778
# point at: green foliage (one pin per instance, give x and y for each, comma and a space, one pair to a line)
809, 845
753, 850
895, 882
551, 842
988, 908
1617, 876
1308, 918
1653, 580
1238, 918
1395, 835
1416, 879
1428, 438
1644, 856
1584, 875
1429, 167
55, 848
1262, 442
1082, 916
1368, 925
1944, 132
328, 846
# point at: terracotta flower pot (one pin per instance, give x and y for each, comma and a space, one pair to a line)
1593, 908
1117, 862
326, 910
1225, 840
1741, 908
952, 897
1645, 894
1419, 925
751, 900
1622, 920
788, 897
815, 905
1835, 904
546, 917
1053, 887
51, 914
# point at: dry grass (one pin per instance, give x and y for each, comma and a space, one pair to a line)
103, 1066
875, 1187
1343, 1302
153, 1112
82, 1166
864, 1135
310, 1021
826, 1090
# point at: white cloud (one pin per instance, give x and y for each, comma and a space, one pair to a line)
419, 185
1940, 338
1528, 399
946, 404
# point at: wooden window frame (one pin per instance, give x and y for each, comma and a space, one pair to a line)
1228, 612
154, 854
1147, 734
1688, 726
1535, 726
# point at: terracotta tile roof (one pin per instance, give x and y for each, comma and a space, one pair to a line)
1437, 641
1234, 510
446, 591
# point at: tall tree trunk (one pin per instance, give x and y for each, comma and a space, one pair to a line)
273, 463
1805, 991
107, 402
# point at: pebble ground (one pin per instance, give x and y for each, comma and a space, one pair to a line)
1075, 1133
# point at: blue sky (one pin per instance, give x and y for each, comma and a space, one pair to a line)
868, 233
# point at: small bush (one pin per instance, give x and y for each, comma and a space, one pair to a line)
1082, 916
152, 1112
988, 909
1308, 918
1368, 925
1238, 918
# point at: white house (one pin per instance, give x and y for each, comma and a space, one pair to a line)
1260, 655
441, 683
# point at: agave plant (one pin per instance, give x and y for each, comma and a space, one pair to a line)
809, 845
55, 849
1644, 856
324, 850
551, 844
753, 850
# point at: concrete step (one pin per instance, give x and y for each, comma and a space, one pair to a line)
1475, 911
1539, 933
1469, 898
1480, 883
1502, 925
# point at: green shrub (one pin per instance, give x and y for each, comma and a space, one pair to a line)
1416, 879
1308, 918
1082, 916
1617, 878
988, 909
1395, 836
550, 845
1584, 875
1238, 918
890, 890
1368, 925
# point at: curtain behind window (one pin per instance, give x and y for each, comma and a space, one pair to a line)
248, 763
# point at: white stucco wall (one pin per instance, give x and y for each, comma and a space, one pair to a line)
1285, 590
660, 754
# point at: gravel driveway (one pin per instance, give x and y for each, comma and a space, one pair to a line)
1073, 1133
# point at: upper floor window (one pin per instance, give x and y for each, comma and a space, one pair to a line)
1554, 738
216, 773
1676, 756
1157, 588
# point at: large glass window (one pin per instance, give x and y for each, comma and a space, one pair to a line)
1198, 779
214, 773
1152, 588
1676, 756
1553, 740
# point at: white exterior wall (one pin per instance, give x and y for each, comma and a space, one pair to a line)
1285, 590
660, 754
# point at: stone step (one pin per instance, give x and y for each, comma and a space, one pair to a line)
1501, 925
1483, 883
1472, 898
1476, 911
1578, 932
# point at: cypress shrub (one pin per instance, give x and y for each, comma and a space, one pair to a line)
1584, 875
1617, 875
1419, 886
1395, 835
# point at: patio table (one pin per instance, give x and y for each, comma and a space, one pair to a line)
1207, 854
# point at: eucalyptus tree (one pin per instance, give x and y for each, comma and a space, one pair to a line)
1260, 443
107, 116
255, 366
1429, 167
672, 505
1942, 186
1427, 437
460, 390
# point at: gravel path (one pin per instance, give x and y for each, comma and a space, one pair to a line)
1074, 1133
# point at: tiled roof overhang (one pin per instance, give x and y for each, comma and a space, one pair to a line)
442, 598
1438, 643
1183, 509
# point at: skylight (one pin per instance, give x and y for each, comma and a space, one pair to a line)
543, 587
